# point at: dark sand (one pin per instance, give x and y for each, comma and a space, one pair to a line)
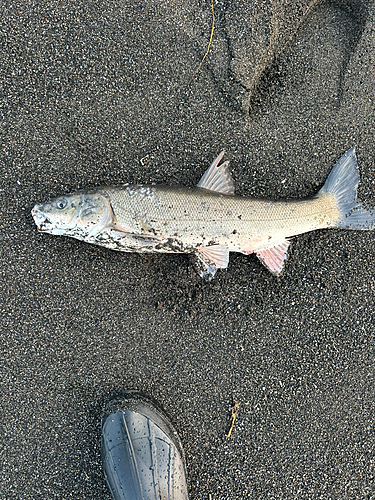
86, 91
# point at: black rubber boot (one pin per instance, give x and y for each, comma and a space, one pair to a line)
142, 453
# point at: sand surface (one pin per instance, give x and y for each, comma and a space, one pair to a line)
100, 93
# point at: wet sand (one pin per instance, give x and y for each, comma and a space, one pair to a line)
101, 93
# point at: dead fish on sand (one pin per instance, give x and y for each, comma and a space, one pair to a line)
208, 220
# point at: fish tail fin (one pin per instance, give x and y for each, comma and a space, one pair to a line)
342, 182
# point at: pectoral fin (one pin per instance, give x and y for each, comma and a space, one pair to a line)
274, 258
126, 242
211, 258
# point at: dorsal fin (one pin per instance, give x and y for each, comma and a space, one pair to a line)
217, 177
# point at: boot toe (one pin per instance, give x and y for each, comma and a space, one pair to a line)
142, 454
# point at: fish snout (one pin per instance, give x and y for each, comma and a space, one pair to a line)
40, 219
38, 216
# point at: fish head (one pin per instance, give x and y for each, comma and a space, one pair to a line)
81, 215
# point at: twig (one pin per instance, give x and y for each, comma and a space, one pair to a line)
209, 43
235, 409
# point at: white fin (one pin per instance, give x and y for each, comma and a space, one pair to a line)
216, 255
217, 177
205, 271
211, 258
274, 258
342, 182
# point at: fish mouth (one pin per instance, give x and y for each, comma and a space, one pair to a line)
46, 225
41, 220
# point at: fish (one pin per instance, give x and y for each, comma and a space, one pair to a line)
207, 221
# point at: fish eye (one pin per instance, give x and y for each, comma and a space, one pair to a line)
61, 204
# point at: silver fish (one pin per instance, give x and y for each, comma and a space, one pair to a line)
209, 220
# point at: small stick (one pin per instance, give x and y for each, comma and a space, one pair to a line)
209, 43
235, 409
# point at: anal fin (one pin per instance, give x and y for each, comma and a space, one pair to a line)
274, 258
